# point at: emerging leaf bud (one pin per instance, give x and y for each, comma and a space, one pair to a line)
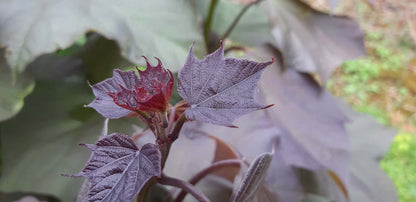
125, 92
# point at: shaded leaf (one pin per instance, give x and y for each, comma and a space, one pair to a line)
117, 169
13, 90
219, 90
29, 29
224, 151
370, 141
321, 141
26, 197
49, 137
100, 56
252, 29
55, 67
282, 181
246, 189
312, 41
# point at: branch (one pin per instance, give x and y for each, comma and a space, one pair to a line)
184, 186
178, 126
171, 119
213, 167
208, 21
232, 26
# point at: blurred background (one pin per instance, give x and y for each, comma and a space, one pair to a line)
50, 49
383, 84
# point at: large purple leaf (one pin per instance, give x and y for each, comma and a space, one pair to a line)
313, 134
313, 41
312, 131
219, 89
117, 169
369, 141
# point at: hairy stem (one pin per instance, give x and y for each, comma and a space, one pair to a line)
164, 119
171, 118
236, 19
186, 186
213, 167
208, 21
165, 148
178, 126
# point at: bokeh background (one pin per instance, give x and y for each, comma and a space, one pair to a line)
50, 49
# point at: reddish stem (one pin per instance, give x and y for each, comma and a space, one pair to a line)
185, 186
213, 167
171, 118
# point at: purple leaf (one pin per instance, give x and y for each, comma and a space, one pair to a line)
369, 142
117, 170
313, 41
125, 92
219, 89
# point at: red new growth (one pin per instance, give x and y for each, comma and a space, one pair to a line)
150, 91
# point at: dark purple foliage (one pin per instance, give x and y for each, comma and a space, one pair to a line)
117, 169
217, 89
126, 92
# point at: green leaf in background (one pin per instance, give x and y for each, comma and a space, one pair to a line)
100, 56
13, 89
27, 197
252, 29
312, 41
42, 140
162, 28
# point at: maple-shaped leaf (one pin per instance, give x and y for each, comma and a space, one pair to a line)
117, 169
217, 89
126, 92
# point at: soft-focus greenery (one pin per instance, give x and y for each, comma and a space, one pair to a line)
400, 165
363, 82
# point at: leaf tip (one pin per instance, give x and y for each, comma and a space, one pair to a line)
267, 106
147, 61
74, 175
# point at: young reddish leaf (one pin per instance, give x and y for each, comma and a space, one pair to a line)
125, 92
117, 169
219, 89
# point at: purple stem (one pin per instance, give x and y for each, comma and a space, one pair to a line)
215, 166
171, 118
185, 186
